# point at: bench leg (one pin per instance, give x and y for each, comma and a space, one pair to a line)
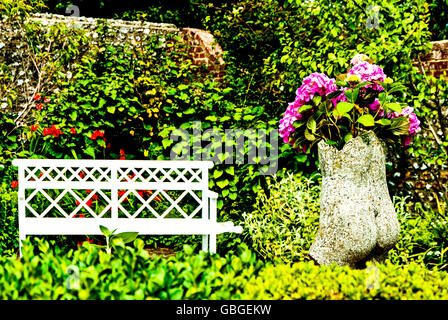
212, 243
205, 242
22, 238
212, 215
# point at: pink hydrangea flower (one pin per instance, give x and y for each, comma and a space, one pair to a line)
415, 123
413, 120
286, 128
286, 123
368, 72
359, 57
314, 84
375, 106
341, 97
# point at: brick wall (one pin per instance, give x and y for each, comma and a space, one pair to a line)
205, 50
424, 181
436, 62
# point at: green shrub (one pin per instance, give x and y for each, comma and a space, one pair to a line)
9, 232
285, 221
285, 217
307, 281
131, 273
422, 234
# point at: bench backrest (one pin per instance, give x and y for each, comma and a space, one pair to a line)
116, 183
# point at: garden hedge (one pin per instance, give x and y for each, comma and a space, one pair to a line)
131, 273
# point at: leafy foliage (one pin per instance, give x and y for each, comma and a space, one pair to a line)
422, 236
272, 46
137, 98
324, 118
285, 218
431, 102
9, 236
384, 282
131, 273
438, 22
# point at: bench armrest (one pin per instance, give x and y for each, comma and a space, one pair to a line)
211, 194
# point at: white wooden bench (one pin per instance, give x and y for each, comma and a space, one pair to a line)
150, 197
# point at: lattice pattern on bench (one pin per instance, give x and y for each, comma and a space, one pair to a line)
151, 197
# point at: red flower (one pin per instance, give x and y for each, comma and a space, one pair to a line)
158, 198
140, 193
52, 131
108, 145
56, 132
40, 175
97, 134
47, 100
47, 131
122, 152
39, 106
88, 203
122, 158
36, 97
87, 240
73, 130
105, 143
82, 215
34, 127
14, 184
94, 196
121, 193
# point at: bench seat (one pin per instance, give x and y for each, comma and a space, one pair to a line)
61, 183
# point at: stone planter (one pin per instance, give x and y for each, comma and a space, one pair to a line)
358, 221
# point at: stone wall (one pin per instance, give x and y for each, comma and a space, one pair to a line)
204, 48
13, 50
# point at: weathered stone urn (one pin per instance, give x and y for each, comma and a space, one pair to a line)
358, 221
